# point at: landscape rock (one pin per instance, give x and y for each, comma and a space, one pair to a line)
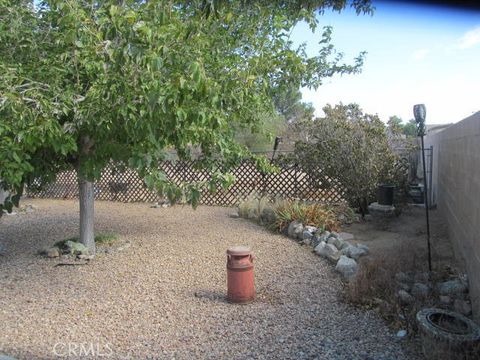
354, 252
347, 267
76, 248
268, 216
463, 307
422, 277
317, 239
307, 235
338, 242
312, 229
445, 300
234, 215
85, 257
405, 298
53, 252
401, 333
307, 242
420, 291
333, 234
402, 277
328, 251
381, 211
452, 287
364, 247
403, 286
295, 229
346, 236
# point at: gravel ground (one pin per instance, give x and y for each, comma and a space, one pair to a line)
163, 297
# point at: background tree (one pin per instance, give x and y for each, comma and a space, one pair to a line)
410, 128
87, 83
351, 149
397, 127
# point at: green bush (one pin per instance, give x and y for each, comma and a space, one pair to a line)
352, 150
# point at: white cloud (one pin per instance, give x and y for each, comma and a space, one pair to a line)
420, 54
470, 39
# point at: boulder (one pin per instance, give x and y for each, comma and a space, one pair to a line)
307, 242
333, 234
347, 267
422, 277
295, 229
354, 252
328, 251
52, 252
405, 298
346, 236
268, 216
306, 235
85, 257
452, 287
402, 277
364, 247
317, 239
420, 291
403, 286
445, 300
338, 242
311, 229
463, 307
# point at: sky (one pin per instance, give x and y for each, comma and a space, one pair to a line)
415, 54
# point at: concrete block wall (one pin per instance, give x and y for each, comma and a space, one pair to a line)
456, 184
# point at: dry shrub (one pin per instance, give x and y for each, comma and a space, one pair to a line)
253, 206
375, 286
308, 214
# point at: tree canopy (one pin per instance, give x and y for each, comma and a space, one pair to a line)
85, 83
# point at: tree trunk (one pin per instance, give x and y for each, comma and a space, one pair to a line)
86, 193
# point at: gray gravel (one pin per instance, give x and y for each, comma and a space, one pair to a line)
163, 296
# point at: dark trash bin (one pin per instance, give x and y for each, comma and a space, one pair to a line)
385, 194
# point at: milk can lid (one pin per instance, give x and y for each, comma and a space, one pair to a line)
239, 250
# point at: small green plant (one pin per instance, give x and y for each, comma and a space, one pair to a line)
106, 238
100, 239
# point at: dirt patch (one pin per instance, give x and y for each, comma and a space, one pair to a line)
408, 232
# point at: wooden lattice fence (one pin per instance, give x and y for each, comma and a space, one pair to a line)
291, 182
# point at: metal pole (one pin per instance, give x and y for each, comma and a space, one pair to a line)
426, 206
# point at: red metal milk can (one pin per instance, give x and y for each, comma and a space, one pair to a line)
240, 279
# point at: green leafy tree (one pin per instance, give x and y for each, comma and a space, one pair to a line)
410, 128
261, 138
351, 149
395, 125
86, 83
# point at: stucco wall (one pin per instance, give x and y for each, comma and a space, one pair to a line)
456, 185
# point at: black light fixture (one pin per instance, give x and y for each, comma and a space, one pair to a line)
420, 113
